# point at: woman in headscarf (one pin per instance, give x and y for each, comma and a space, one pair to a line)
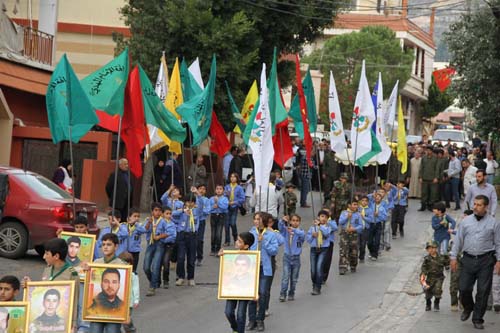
62, 176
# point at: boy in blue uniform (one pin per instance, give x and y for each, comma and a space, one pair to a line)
294, 238
115, 227
135, 231
443, 225
375, 230
400, 198
156, 230
203, 208
329, 253
350, 226
218, 210
389, 206
366, 214
318, 237
267, 243
172, 199
186, 243
169, 245
236, 195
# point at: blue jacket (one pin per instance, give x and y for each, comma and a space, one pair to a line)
184, 225
440, 230
171, 232
368, 218
135, 237
292, 246
382, 212
385, 202
403, 196
333, 225
202, 207
161, 228
325, 229
269, 248
355, 221
239, 195
176, 206
122, 234
222, 203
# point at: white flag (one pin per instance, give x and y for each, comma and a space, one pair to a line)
337, 135
195, 70
390, 112
385, 154
363, 117
261, 137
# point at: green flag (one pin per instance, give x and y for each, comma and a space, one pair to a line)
69, 110
106, 86
294, 112
189, 86
279, 116
376, 148
156, 113
197, 112
238, 118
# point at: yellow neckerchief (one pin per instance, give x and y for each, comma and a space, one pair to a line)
231, 195
376, 207
320, 237
259, 246
191, 220
114, 231
131, 229
153, 232
399, 195
445, 219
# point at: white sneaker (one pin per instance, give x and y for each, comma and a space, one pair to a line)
179, 282
191, 283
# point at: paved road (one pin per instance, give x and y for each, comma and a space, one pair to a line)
383, 296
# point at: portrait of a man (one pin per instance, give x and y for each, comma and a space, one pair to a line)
49, 321
238, 275
108, 300
74, 244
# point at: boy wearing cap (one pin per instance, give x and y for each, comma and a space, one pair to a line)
341, 194
290, 199
432, 275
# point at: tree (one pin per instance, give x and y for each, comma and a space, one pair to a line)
343, 55
474, 45
241, 33
437, 101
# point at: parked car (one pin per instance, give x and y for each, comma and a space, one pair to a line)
34, 209
461, 138
414, 139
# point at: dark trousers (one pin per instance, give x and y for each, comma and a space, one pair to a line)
200, 235
317, 259
216, 225
186, 251
304, 190
374, 238
260, 315
453, 184
169, 248
273, 266
398, 220
328, 261
472, 270
135, 255
237, 321
362, 241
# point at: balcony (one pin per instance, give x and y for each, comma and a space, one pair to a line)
38, 46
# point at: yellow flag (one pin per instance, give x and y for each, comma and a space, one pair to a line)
250, 100
402, 148
173, 100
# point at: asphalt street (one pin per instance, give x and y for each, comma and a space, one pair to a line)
383, 296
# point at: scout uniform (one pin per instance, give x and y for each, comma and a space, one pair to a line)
348, 244
432, 271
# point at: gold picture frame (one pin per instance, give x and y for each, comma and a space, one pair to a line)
85, 251
97, 306
239, 275
14, 317
49, 302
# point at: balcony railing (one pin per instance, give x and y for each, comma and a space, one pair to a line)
38, 46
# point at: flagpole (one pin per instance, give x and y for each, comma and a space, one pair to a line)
128, 193
211, 166
116, 166
389, 162
354, 164
183, 168
319, 176
312, 197
72, 173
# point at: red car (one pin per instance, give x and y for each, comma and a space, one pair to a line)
32, 209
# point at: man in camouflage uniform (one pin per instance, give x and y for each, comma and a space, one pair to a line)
432, 275
428, 177
340, 195
329, 172
441, 165
454, 278
350, 226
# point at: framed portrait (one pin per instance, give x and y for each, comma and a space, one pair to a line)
80, 249
239, 275
14, 317
107, 293
51, 306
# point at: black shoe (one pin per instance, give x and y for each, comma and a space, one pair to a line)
252, 325
447, 205
342, 271
436, 304
465, 315
428, 305
422, 208
458, 208
353, 269
496, 307
260, 326
315, 292
478, 326
489, 308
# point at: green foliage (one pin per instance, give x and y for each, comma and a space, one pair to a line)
437, 101
343, 55
474, 45
242, 34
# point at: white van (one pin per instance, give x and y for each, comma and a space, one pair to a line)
461, 138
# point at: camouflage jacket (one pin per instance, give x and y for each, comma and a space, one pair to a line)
433, 267
341, 193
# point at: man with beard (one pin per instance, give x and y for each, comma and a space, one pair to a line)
49, 321
107, 301
481, 187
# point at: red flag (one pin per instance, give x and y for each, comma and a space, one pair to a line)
108, 121
134, 132
282, 143
303, 112
443, 77
220, 144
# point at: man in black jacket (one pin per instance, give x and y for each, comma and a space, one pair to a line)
123, 189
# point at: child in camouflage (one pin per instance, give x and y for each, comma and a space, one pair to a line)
432, 276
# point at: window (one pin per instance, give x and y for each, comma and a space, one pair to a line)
42, 186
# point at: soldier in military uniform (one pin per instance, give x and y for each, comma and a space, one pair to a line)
329, 172
432, 276
428, 177
442, 165
340, 195
350, 225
